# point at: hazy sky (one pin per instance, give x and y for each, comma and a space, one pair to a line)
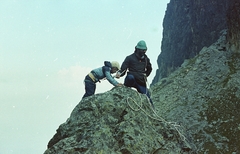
46, 49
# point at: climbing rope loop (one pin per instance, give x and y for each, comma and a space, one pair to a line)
139, 107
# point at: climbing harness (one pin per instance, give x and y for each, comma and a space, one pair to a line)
92, 77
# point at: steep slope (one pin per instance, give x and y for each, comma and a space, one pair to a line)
204, 96
118, 121
197, 111
188, 26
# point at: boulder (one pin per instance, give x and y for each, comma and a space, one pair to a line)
118, 121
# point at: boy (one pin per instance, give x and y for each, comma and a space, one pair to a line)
99, 73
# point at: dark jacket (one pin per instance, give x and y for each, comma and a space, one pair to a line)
139, 67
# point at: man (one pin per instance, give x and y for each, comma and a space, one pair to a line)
139, 68
99, 73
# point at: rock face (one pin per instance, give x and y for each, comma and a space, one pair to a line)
204, 96
197, 111
118, 121
188, 26
233, 21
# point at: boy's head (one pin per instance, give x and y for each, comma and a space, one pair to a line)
115, 66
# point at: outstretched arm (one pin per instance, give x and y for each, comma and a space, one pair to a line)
111, 79
124, 68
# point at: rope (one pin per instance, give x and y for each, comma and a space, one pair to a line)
158, 118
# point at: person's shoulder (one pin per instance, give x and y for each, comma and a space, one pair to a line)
131, 56
146, 57
106, 68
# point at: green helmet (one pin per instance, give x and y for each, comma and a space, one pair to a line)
141, 45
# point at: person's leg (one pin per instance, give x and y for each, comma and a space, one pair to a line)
130, 81
90, 88
144, 90
141, 89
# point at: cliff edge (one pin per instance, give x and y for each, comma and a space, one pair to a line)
188, 26
197, 111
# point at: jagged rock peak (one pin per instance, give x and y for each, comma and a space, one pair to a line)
197, 111
204, 96
188, 26
118, 121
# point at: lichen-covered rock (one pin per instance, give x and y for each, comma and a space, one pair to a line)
204, 96
197, 111
188, 26
118, 121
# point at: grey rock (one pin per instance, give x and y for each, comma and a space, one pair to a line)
197, 111
209, 100
118, 121
188, 26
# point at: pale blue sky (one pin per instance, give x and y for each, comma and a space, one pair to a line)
46, 49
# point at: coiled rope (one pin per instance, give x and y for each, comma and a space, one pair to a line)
174, 125
157, 117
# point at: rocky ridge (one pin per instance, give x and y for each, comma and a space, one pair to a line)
188, 26
118, 121
197, 111
204, 96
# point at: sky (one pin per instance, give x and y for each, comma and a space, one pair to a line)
47, 47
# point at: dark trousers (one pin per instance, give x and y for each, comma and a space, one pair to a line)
90, 86
131, 82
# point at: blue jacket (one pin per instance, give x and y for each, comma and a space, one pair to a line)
104, 72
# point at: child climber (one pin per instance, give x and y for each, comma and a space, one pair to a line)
99, 73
